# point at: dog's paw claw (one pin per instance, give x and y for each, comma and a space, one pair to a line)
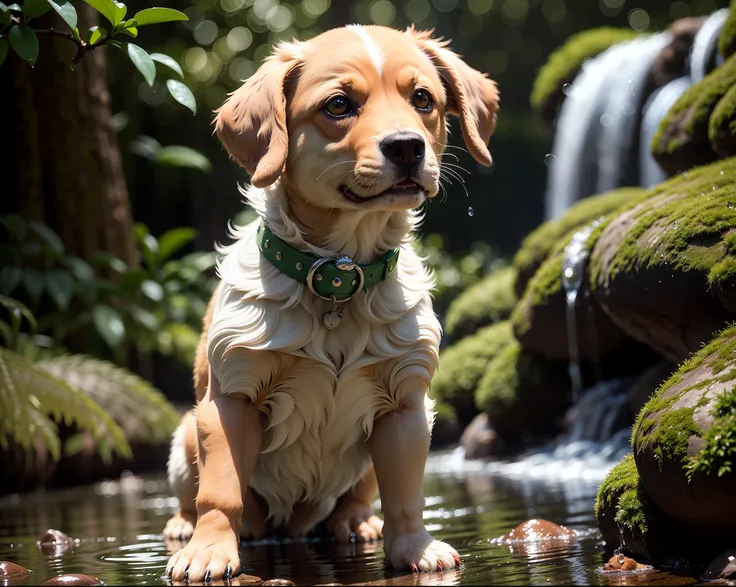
440, 566
414, 567
458, 560
208, 576
228, 572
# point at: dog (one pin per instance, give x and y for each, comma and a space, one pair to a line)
320, 341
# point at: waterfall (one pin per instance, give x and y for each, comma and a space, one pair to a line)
703, 53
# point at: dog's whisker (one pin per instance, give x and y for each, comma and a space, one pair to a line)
333, 166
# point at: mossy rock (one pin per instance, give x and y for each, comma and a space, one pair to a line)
565, 63
628, 519
682, 142
523, 395
722, 125
663, 269
486, 302
462, 366
727, 40
684, 440
537, 246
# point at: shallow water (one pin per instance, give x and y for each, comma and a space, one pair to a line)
118, 526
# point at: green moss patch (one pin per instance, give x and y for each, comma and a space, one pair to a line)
462, 366
682, 138
564, 63
486, 302
727, 40
722, 125
621, 488
719, 452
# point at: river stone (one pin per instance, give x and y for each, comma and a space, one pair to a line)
277, 582
684, 440
672, 62
10, 570
535, 530
74, 579
664, 269
480, 440
54, 542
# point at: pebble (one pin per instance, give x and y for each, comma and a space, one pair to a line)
53, 542
248, 580
74, 579
10, 570
278, 582
534, 530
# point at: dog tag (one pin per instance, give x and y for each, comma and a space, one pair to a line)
332, 319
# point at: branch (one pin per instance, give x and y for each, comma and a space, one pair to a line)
82, 47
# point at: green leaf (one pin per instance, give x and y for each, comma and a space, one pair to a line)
33, 282
182, 94
60, 286
179, 156
10, 278
113, 11
14, 8
109, 325
173, 240
152, 290
4, 15
130, 31
14, 306
108, 261
35, 8
147, 243
80, 268
3, 50
168, 62
145, 318
15, 224
66, 11
143, 62
95, 33
24, 42
50, 238
157, 15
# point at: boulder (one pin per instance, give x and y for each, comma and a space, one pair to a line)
727, 40
480, 440
684, 440
672, 62
535, 530
722, 125
663, 269
462, 366
682, 142
486, 302
644, 386
564, 64
523, 394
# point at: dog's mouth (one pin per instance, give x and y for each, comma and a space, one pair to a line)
406, 187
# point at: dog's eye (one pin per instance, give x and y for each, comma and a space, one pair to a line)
421, 100
338, 107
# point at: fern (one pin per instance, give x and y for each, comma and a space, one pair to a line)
32, 400
143, 412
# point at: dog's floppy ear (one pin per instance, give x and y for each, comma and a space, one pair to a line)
471, 95
252, 121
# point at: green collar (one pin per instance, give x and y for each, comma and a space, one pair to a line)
331, 279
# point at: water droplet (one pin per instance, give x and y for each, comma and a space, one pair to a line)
606, 120
730, 205
567, 89
549, 159
721, 172
617, 552
470, 211
621, 559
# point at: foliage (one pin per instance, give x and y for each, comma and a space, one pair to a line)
623, 488
719, 451
15, 29
727, 40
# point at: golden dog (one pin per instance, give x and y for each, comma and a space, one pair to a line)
320, 341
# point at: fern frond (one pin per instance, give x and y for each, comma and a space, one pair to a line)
141, 410
29, 395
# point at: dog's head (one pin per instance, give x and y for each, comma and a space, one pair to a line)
356, 117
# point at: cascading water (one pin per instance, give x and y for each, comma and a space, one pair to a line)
703, 55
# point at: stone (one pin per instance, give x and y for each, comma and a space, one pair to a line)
54, 542
74, 579
663, 269
672, 62
278, 582
647, 383
10, 570
480, 440
722, 567
487, 302
537, 529
684, 440
243, 579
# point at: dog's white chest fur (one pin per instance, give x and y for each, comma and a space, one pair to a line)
320, 389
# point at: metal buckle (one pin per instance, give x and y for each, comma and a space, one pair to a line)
318, 263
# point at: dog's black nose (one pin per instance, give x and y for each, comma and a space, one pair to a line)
405, 149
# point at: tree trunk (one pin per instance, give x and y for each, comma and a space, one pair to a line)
60, 163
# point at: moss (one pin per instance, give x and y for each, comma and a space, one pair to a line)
719, 451
497, 390
566, 61
537, 245
463, 364
722, 125
723, 271
685, 127
486, 302
695, 207
668, 431
727, 40
622, 485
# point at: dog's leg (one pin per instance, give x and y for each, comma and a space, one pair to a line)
354, 514
399, 446
229, 431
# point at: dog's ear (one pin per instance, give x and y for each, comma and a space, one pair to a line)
470, 94
252, 121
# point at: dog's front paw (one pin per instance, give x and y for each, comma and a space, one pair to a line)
208, 557
354, 518
180, 527
421, 552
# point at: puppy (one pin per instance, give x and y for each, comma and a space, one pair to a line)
320, 341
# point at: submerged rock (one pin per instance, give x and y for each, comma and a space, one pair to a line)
54, 542
664, 268
10, 570
487, 302
534, 530
684, 440
74, 579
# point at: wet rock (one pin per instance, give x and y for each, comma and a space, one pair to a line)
74, 579
462, 366
671, 63
685, 440
480, 440
723, 567
10, 570
523, 394
647, 383
247, 580
487, 302
278, 582
535, 530
623, 563
654, 267
682, 141
53, 542
565, 63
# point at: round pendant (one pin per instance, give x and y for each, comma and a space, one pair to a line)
332, 319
